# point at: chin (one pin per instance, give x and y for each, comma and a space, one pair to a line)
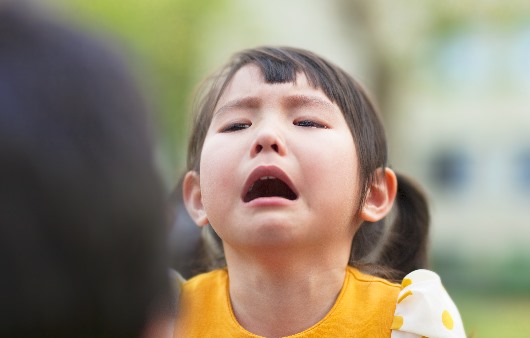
272, 234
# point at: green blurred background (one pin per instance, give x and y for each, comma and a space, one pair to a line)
452, 79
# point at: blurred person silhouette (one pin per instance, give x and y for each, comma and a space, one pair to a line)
83, 219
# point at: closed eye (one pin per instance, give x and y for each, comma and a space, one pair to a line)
235, 127
310, 124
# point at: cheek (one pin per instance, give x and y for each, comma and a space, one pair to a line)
337, 172
215, 163
345, 173
338, 155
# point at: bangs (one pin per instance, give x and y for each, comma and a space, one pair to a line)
283, 66
276, 70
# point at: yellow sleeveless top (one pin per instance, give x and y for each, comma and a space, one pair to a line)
364, 308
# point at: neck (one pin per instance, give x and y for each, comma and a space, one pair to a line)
283, 294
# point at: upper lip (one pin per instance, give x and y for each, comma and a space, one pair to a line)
267, 171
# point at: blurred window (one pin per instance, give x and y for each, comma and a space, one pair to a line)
450, 170
465, 61
522, 170
519, 61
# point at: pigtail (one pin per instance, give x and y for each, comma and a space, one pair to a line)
405, 248
404, 245
396, 245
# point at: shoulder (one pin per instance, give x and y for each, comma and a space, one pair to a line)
202, 289
367, 278
372, 292
424, 308
204, 285
204, 299
374, 288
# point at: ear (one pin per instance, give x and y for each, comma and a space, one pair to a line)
381, 195
191, 192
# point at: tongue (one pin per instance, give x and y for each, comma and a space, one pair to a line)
269, 188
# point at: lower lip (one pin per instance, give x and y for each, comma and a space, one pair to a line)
269, 202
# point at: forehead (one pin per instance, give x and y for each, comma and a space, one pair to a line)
249, 81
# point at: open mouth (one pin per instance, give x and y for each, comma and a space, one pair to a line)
269, 186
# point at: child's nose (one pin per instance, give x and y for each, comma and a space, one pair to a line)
267, 139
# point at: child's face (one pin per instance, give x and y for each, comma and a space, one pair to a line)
291, 147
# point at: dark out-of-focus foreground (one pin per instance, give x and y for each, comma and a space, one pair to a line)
452, 79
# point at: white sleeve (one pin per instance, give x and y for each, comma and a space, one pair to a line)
424, 309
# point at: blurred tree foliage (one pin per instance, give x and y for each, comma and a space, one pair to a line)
163, 40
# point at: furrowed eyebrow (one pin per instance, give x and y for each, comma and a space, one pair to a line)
300, 101
248, 102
